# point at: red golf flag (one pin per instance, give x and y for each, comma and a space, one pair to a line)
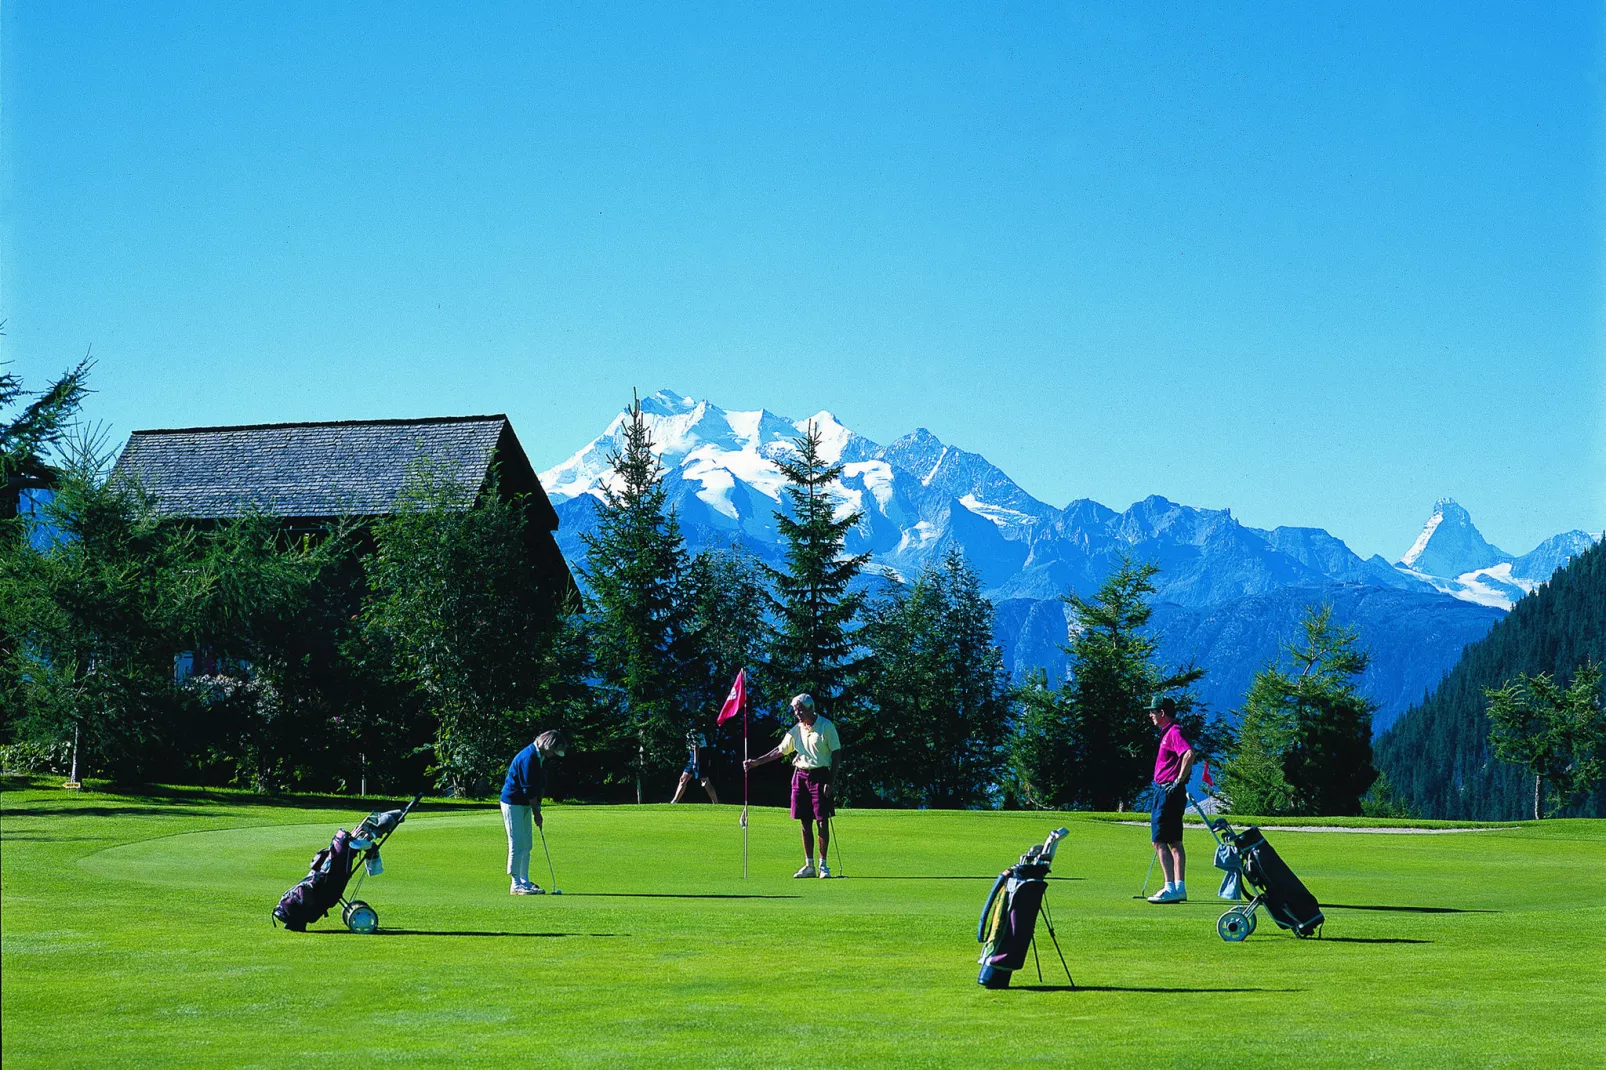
736, 701
1208, 780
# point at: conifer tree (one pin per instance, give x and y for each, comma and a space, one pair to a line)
933, 725
1304, 743
814, 605
635, 565
1113, 674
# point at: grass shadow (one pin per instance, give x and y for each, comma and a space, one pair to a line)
451, 932
1371, 940
103, 811
1408, 910
676, 895
1141, 988
990, 877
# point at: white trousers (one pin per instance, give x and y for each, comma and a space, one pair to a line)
520, 839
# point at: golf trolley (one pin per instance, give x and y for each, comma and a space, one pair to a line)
324, 886
1250, 861
1008, 923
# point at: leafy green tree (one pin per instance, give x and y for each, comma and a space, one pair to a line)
932, 730
96, 615
265, 622
635, 566
1112, 676
1557, 733
459, 608
1304, 743
1045, 749
814, 602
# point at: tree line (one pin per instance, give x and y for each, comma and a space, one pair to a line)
420, 648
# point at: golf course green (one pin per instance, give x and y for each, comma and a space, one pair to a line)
136, 932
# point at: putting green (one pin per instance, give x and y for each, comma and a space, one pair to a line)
136, 933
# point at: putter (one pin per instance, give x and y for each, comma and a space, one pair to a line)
836, 848
555, 889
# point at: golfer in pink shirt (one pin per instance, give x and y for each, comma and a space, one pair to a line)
1168, 799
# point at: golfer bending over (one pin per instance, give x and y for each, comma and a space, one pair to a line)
521, 805
815, 743
696, 768
1169, 799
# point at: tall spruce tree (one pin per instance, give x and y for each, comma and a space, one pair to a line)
932, 728
635, 565
1304, 744
1113, 673
813, 601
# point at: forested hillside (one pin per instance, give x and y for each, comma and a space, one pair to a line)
1438, 755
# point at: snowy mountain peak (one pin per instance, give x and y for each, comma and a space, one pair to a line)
1450, 545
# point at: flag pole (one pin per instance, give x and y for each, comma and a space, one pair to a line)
744, 790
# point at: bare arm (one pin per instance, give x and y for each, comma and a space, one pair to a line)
762, 759
1187, 767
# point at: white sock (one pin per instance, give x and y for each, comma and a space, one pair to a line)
1168, 886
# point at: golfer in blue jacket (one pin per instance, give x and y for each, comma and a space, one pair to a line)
521, 806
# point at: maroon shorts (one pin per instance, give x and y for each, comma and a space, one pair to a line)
808, 794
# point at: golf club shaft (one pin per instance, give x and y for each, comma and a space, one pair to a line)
1145, 892
547, 851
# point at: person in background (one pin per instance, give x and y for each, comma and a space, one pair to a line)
521, 806
696, 768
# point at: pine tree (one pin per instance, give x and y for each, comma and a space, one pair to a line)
814, 605
635, 566
932, 729
1113, 674
1304, 744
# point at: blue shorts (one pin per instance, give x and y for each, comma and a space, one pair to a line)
692, 771
1165, 813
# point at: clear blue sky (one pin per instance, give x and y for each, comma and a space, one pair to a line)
1319, 266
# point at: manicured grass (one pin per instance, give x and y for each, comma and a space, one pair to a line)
136, 932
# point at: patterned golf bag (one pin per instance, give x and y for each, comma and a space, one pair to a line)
1009, 919
320, 890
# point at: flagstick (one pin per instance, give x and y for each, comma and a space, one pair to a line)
744, 791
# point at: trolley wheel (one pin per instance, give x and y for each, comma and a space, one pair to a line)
1235, 925
360, 917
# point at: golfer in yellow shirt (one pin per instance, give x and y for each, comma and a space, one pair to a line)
814, 746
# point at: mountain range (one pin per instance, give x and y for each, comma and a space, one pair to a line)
1227, 595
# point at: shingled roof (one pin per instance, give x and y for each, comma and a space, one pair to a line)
353, 468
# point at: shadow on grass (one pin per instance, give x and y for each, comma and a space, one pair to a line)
103, 811
1371, 940
449, 932
989, 877
1408, 910
1140, 988
675, 895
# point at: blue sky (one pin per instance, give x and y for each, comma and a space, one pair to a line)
1321, 267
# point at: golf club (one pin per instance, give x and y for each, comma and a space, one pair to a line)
836, 847
1145, 893
555, 889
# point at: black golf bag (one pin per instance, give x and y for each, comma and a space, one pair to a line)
1287, 900
1009, 919
324, 886
310, 898
1266, 876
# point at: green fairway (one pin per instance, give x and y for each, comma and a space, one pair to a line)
136, 932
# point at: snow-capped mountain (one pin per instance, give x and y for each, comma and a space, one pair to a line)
1226, 594
1453, 556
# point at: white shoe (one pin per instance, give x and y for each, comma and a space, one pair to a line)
825, 870
1169, 895
806, 871
525, 888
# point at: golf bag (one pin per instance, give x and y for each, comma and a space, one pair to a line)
310, 898
1248, 859
324, 886
1008, 923
1287, 900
